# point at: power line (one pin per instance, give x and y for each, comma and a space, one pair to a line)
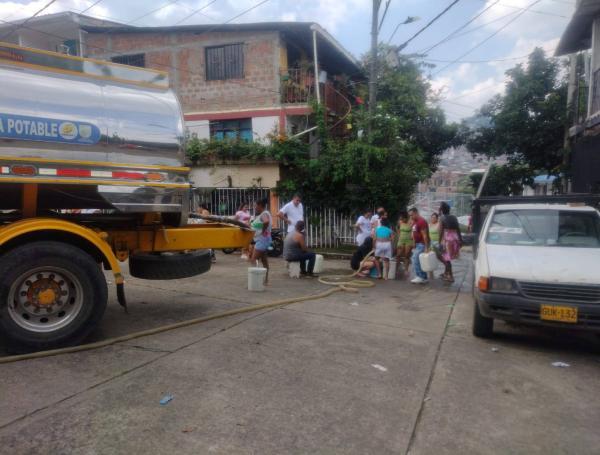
535, 11
152, 12
246, 11
462, 27
195, 12
387, 5
91, 6
18, 26
474, 29
481, 43
469, 93
506, 59
459, 104
112, 52
425, 27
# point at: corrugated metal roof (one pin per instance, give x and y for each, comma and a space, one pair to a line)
578, 34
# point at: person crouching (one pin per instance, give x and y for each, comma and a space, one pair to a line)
358, 262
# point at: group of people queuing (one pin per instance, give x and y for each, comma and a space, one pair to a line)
295, 249
411, 236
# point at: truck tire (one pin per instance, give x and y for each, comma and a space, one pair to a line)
482, 327
52, 294
169, 266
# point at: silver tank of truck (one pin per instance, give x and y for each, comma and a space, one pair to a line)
130, 116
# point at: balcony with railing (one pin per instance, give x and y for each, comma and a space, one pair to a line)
298, 87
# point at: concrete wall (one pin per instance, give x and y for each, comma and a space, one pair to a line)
182, 55
242, 175
263, 126
198, 127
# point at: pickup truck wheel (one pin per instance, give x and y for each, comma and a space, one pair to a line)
52, 294
169, 266
482, 327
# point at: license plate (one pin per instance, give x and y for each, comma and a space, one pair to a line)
558, 313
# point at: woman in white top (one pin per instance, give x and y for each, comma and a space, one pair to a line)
363, 227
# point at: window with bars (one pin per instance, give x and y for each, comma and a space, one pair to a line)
231, 129
132, 60
224, 62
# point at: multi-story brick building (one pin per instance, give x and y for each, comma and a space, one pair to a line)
234, 80
238, 80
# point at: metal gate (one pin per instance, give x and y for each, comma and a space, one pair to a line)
226, 201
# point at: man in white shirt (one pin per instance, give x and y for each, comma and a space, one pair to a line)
363, 227
291, 213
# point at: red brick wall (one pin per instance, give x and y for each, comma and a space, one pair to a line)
182, 55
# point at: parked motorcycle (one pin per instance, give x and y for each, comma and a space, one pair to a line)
275, 248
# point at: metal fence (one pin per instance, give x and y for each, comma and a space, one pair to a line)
328, 228
325, 227
226, 201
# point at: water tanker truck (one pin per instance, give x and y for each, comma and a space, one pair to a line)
91, 175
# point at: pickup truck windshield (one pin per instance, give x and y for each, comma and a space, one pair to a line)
556, 228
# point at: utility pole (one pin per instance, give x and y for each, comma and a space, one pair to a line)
373, 62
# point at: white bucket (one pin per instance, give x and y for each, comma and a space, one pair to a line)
392, 272
318, 264
256, 278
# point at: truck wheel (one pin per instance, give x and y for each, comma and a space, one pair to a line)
169, 266
482, 327
52, 294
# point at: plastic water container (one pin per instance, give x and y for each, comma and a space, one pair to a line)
373, 272
428, 261
392, 272
256, 278
318, 264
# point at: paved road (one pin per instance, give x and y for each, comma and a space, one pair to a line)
393, 369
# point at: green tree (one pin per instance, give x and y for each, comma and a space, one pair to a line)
503, 180
408, 134
382, 168
526, 125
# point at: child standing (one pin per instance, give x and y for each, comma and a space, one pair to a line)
383, 247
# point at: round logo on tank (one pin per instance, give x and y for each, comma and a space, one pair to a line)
68, 130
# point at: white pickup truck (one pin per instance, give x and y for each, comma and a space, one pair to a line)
538, 264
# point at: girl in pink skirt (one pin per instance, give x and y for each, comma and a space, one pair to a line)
451, 240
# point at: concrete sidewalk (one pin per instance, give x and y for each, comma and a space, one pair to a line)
389, 370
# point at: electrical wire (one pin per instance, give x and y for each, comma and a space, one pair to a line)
479, 27
164, 65
387, 5
152, 12
479, 61
425, 27
469, 93
21, 25
481, 43
535, 11
191, 72
91, 6
195, 12
459, 104
462, 27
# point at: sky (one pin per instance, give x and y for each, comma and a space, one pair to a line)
502, 36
